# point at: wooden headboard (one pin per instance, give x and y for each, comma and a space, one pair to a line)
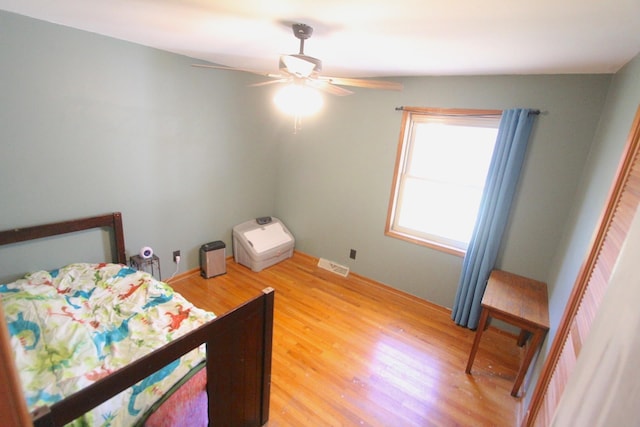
13, 410
112, 221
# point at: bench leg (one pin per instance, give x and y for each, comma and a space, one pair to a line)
528, 356
476, 341
522, 338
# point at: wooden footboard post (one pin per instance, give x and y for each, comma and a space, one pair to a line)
269, 301
13, 408
239, 364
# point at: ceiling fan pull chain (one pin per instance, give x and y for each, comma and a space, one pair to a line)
297, 124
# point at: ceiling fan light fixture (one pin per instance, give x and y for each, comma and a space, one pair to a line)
300, 65
298, 100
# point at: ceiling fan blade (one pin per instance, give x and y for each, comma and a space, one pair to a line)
366, 83
269, 82
328, 87
277, 76
222, 67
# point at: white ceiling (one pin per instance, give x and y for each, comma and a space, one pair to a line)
360, 38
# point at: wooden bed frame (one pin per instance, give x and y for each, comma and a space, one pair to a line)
238, 367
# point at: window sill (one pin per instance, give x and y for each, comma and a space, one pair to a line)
424, 242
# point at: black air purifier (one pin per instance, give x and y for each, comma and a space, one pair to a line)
212, 259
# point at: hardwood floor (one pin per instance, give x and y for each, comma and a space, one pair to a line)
353, 352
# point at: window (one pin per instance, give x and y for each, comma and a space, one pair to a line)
441, 166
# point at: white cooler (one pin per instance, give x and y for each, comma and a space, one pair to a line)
260, 246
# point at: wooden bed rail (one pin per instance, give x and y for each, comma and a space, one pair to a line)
236, 368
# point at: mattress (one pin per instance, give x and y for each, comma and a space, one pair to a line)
71, 326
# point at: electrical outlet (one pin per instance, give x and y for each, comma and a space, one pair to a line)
176, 255
352, 254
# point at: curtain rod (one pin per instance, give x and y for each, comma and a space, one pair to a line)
420, 110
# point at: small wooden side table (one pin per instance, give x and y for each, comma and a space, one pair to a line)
520, 301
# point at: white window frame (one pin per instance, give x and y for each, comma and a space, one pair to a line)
411, 116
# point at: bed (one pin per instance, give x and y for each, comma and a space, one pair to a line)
154, 357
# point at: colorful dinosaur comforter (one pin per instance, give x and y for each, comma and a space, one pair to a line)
72, 326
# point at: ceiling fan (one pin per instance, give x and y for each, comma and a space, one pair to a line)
303, 69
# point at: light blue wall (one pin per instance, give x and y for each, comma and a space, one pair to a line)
335, 176
90, 125
620, 108
622, 102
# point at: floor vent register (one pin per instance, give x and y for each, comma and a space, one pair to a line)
333, 267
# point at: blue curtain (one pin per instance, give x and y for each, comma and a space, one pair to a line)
504, 170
